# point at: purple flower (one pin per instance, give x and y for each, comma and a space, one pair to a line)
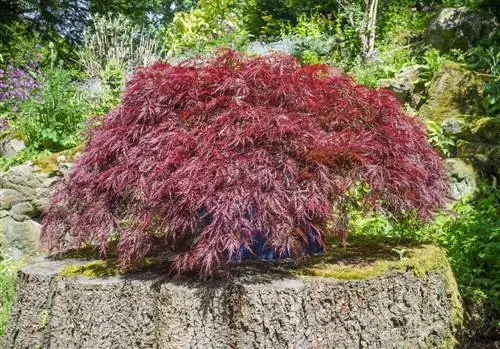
16, 85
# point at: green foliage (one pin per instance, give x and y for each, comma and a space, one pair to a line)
113, 81
472, 239
439, 139
17, 44
53, 118
400, 21
266, 18
21, 157
8, 270
27, 24
387, 64
487, 60
470, 233
139, 12
211, 23
432, 60
319, 39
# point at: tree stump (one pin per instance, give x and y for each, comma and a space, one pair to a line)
408, 303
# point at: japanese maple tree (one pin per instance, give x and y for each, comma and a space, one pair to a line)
213, 161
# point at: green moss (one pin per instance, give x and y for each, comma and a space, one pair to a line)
105, 268
354, 266
453, 93
42, 322
50, 163
457, 310
99, 268
486, 129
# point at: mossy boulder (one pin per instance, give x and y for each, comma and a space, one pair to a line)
57, 162
353, 297
454, 93
458, 28
455, 127
486, 130
484, 155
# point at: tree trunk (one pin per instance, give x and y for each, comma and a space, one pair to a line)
368, 28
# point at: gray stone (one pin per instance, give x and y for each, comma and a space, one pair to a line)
41, 203
10, 147
21, 179
25, 183
454, 126
24, 193
251, 310
462, 178
19, 239
406, 84
9, 197
23, 211
401, 90
458, 28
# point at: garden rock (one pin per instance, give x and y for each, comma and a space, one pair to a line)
487, 130
10, 147
462, 178
401, 90
9, 197
453, 93
485, 156
458, 28
24, 192
253, 309
406, 84
23, 211
454, 127
19, 239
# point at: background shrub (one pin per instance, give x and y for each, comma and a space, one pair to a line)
52, 119
209, 24
114, 40
217, 160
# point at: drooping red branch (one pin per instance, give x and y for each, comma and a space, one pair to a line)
203, 159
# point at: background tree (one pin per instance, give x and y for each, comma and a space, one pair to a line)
27, 23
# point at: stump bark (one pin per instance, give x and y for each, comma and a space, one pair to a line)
253, 309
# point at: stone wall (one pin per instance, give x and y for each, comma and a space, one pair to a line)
24, 192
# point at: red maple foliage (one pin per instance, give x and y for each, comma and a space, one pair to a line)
204, 158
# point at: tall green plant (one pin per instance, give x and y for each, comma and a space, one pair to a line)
52, 119
472, 240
